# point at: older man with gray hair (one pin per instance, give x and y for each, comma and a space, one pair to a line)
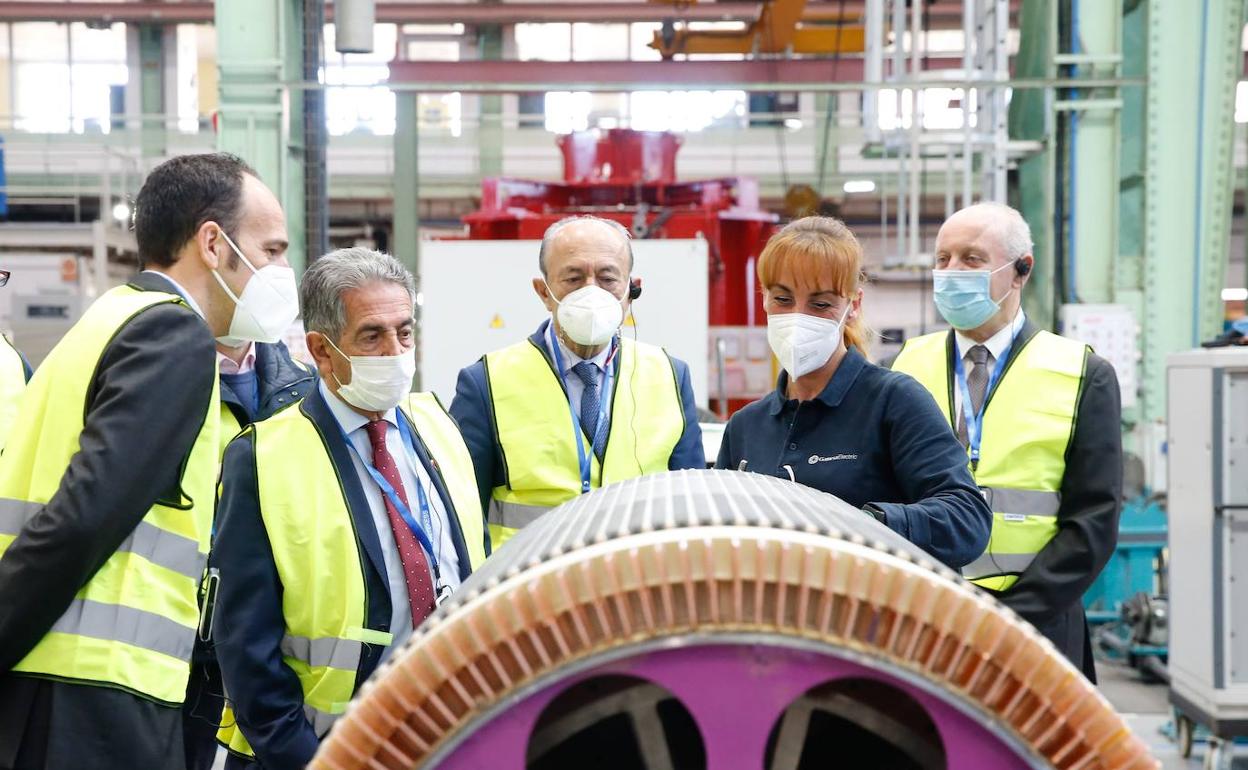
577, 405
1040, 417
343, 521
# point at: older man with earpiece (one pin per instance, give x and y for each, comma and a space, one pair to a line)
575, 406
1040, 417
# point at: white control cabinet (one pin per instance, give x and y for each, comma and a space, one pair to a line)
1207, 393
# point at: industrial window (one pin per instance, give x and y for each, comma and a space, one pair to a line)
368, 106
63, 76
544, 42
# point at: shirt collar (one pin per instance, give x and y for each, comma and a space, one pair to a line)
186, 295
348, 418
998, 342
833, 393
248, 363
571, 359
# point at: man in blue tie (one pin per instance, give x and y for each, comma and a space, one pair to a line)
576, 406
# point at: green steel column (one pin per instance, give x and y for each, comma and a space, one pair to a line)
1031, 118
1193, 66
1129, 269
405, 244
1094, 126
490, 131
826, 166
152, 104
259, 49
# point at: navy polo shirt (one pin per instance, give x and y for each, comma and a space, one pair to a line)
873, 436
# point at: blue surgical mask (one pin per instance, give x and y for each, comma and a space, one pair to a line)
964, 297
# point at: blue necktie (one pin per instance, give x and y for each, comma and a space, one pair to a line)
588, 372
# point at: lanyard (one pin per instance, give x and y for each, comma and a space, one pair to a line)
405, 513
603, 399
975, 422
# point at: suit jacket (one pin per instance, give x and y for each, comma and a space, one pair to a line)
1049, 593
474, 412
153, 376
282, 382
249, 624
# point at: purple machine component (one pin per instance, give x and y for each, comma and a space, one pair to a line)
710, 680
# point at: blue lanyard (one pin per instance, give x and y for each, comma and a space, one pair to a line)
426, 517
603, 402
975, 422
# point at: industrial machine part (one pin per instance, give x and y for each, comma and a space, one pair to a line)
630, 177
1208, 507
783, 26
671, 312
723, 620
1141, 636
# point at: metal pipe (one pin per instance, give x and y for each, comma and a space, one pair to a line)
913, 175
721, 348
898, 73
353, 25
1153, 665
968, 50
405, 11
1001, 71
873, 66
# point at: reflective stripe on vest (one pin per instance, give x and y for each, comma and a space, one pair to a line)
1028, 421
160, 547
12, 384
508, 518
534, 429
132, 625
325, 597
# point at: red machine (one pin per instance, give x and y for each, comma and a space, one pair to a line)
630, 177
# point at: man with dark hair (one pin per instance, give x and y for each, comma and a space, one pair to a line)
108, 478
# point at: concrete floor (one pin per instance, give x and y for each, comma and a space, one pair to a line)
1146, 707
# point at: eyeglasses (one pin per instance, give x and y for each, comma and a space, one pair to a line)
4, 277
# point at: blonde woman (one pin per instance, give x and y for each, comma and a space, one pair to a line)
837, 422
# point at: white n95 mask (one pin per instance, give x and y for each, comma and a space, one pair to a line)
589, 316
803, 343
378, 383
267, 307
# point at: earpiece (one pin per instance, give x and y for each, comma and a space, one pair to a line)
634, 289
1022, 268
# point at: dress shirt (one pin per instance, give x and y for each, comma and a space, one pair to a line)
247, 364
410, 470
574, 384
996, 345
186, 295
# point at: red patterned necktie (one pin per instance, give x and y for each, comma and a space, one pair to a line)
411, 555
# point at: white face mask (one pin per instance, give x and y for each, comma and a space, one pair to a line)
803, 343
589, 316
268, 306
378, 383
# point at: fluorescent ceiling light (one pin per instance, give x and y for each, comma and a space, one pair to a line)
1235, 295
121, 212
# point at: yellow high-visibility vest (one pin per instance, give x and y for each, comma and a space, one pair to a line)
133, 625
1029, 419
535, 433
325, 594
